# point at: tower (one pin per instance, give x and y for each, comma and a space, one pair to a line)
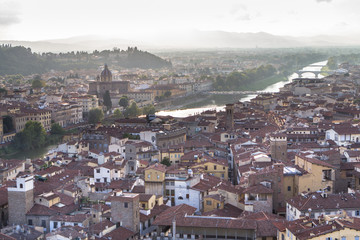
229, 116
106, 75
125, 210
278, 146
21, 199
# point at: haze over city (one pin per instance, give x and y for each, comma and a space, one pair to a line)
162, 23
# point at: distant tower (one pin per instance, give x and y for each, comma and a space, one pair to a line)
278, 146
125, 210
21, 199
229, 116
106, 75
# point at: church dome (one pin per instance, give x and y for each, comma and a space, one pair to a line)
106, 75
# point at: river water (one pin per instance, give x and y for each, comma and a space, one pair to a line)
272, 88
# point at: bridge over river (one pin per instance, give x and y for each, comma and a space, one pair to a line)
237, 92
315, 72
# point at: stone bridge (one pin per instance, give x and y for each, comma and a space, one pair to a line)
316, 73
237, 92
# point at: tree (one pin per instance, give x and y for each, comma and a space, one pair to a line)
56, 129
107, 100
118, 113
33, 136
149, 109
95, 115
167, 94
124, 102
332, 63
8, 125
3, 92
132, 111
38, 83
166, 161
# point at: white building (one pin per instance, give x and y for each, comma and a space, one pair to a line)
343, 136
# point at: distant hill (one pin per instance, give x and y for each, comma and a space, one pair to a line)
21, 60
187, 40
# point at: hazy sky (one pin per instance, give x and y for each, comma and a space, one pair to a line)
49, 19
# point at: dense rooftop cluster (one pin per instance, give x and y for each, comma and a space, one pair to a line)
284, 165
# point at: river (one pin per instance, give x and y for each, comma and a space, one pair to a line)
272, 88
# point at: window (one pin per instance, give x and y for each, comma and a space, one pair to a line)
289, 188
97, 170
21, 185
222, 175
126, 205
357, 213
187, 196
214, 167
143, 205
55, 224
43, 223
206, 168
30, 222
172, 192
208, 202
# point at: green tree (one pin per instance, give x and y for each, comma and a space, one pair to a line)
118, 113
8, 125
3, 92
166, 161
95, 115
38, 83
124, 102
149, 109
332, 63
56, 129
107, 100
167, 94
132, 111
33, 136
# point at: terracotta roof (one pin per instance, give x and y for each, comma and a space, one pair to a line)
166, 217
157, 166
332, 201
120, 233
40, 210
228, 211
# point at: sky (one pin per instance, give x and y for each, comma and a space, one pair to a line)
34, 20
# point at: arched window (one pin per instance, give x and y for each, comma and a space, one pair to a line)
21, 185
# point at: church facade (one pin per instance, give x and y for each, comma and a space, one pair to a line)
105, 83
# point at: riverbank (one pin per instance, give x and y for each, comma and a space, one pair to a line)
202, 99
272, 85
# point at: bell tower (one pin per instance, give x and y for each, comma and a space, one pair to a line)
229, 116
21, 199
